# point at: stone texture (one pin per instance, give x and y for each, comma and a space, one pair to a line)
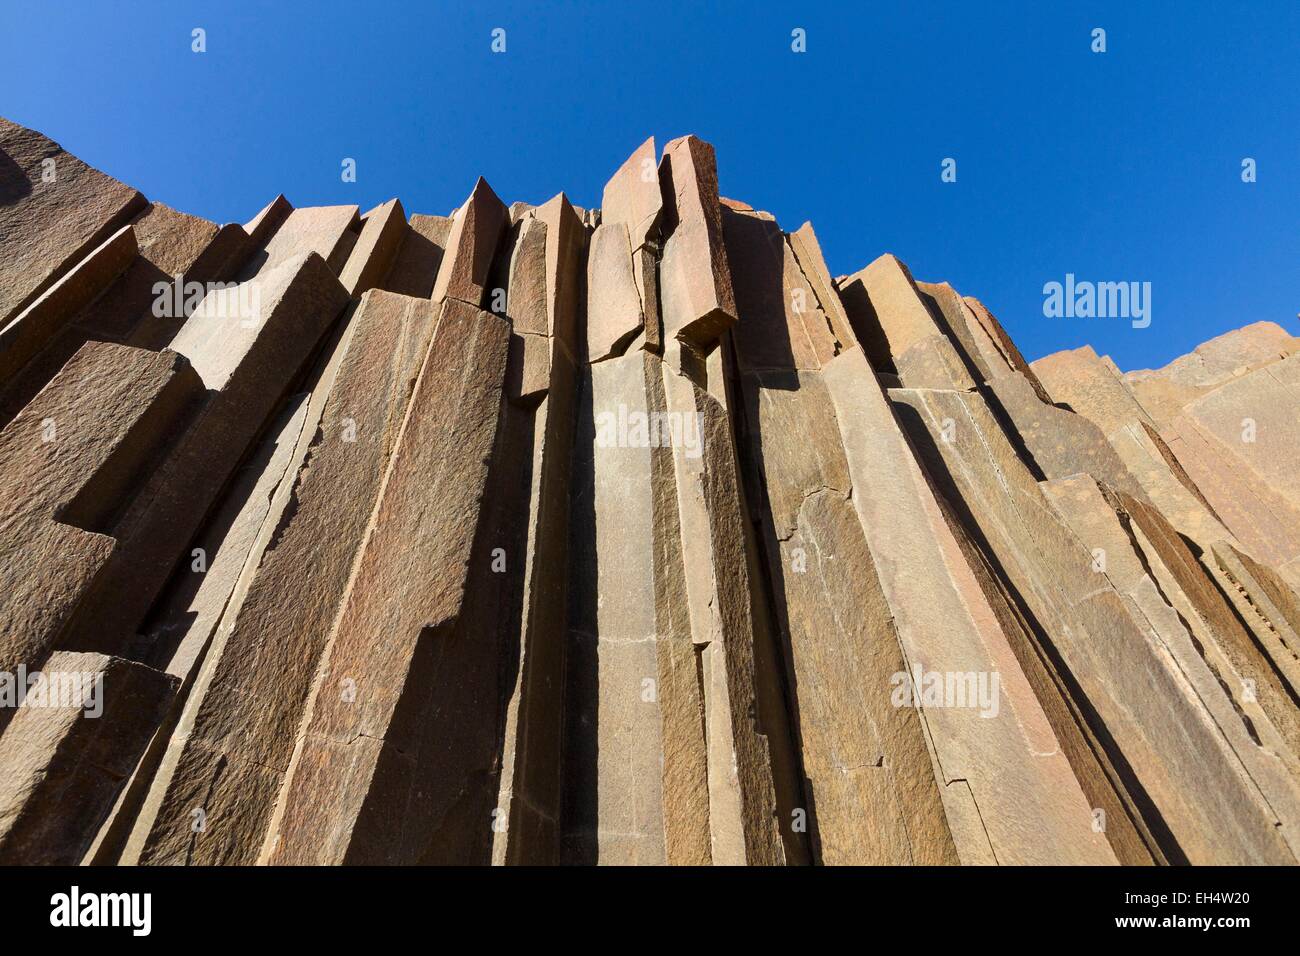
476, 232
383, 230
538, 534
255, 680
71, 460
632, 197
397, 637
61, 762
695, 281
54, 209
613, 306
247, 363
327, 231
29, 331
420, 256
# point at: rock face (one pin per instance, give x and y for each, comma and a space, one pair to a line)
535, 535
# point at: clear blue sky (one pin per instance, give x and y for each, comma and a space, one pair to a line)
1117, 166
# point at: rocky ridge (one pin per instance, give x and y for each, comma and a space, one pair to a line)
536, 534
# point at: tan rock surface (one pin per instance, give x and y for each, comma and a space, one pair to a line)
61, 761
397, 635
535, 534
695, 281
54, 209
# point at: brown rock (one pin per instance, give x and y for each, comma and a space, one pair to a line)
695, 282
899, 332
947, 626
54, 210
235, 738
613, 306
327, 231
397, 636
476, 231
70, 461
246, 358
632, 197
419, 257
30, 330
67, 750
383, 230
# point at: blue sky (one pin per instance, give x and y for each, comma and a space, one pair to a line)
1120, 166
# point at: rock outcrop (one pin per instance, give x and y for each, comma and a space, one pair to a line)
535, 535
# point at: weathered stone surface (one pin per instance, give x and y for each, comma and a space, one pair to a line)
632, 197
116, 295
1084, 383
529, 301
235, 737
54, 209
419, 258
615, 808
540, 535
327, 231
476, 232
63, 759
263, 225
183, 622
869, 778
1165, 392
397, 634
613, 306
542, 337
718, 598
946, 626
383, 230
69, 462
1058, 443
31, 329
808, 254
246, 361
1268, 605
695, 281
1201, 652
899, 332
531, 783
771, 292
1253, 418
1198, 793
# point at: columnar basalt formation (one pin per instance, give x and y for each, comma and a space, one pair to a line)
534, 534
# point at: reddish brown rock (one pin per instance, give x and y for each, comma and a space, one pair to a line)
246, 359
695, 281
632, 197
253, 689
31, 329
54, 209
383, 230
70, 461
397, 638
899, 332
327, 231
613, 305
68, 749
538, 534
476, 232
420, 256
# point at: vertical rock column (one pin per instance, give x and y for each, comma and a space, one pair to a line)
544, 296
231, 746
869, 790
666, 761
380, 735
